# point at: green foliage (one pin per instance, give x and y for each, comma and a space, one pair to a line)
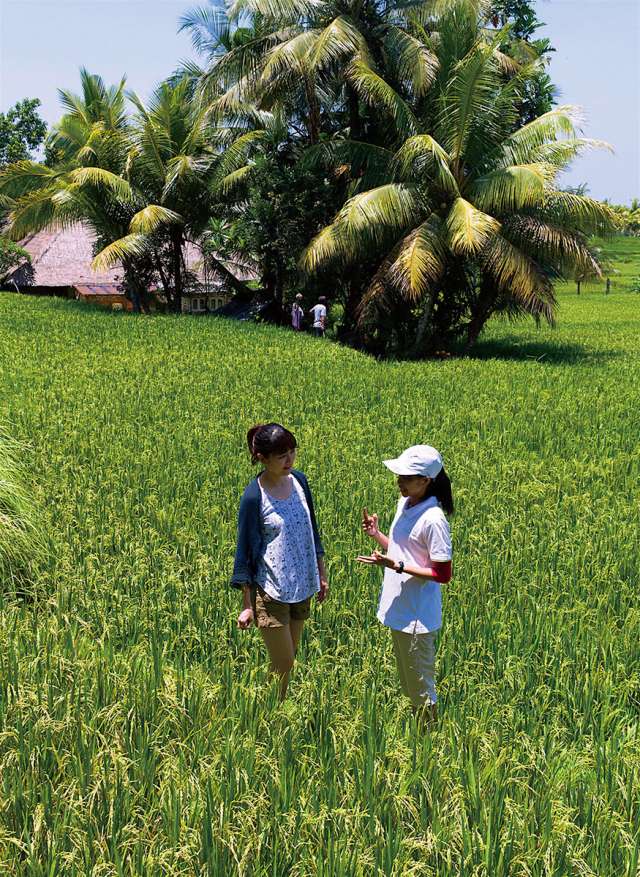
285, 203
21, 131
11, 255
431, 122
519, 14
139, 732
627, 218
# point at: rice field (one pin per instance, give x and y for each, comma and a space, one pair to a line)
139, 734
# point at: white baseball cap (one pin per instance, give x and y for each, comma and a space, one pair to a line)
416, 460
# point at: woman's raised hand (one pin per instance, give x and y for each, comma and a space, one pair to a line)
370, 524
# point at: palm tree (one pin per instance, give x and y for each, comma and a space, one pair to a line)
462, 218
86, 183
327, 64
142, 185
93, 125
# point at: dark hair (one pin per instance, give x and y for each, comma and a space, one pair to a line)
440, 487
269, 438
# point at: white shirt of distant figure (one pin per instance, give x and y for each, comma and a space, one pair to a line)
319, 312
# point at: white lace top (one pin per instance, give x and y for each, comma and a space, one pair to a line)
288, 570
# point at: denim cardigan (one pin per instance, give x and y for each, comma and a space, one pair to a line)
250, 546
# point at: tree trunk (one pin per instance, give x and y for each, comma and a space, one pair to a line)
354, 114
423, 323
354, 294
235, 284
176, 242
480, 314
135, 291
313, 122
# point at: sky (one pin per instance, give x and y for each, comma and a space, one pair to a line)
43, 43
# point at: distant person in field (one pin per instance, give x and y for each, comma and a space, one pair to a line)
297, 314
319, 312
416, 556
279, 555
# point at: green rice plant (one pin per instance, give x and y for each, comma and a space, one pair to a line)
139, 732
21, 542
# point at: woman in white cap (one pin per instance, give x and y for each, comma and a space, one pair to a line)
416, 556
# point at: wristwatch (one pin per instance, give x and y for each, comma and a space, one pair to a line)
400, 567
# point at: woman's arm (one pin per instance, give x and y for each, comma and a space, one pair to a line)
324, 584
439, 571
245, 619
248, 515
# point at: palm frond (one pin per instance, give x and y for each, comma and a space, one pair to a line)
365, 224
520, 277
579, 212
97, 176
415, 63
505, 63
210, 29
555, 247
26, 176
289, 57
560, 153
235, 156
234, 179
33, 212
521, 146
153, 217
466, 99
74, 106
274, 10
374, 91
366, 162
511, 188
241, 64
183, 169
469, 230
127, 247
421, 260
378, 297
422, 155
339, 40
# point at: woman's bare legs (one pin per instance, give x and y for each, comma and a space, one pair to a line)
282, 643
296, 626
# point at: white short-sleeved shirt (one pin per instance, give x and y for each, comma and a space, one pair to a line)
418, 535
288, 570
319, 312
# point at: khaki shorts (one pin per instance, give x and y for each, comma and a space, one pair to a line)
416, 660
268, 612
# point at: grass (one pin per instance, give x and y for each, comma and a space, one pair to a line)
621, 264
138, 732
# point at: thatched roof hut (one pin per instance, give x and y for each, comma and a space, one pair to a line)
61, 265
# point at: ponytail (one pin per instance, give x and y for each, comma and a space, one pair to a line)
440, 487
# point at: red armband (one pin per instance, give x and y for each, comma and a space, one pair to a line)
441, 570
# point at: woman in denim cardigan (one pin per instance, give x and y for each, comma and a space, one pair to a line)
279, 555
